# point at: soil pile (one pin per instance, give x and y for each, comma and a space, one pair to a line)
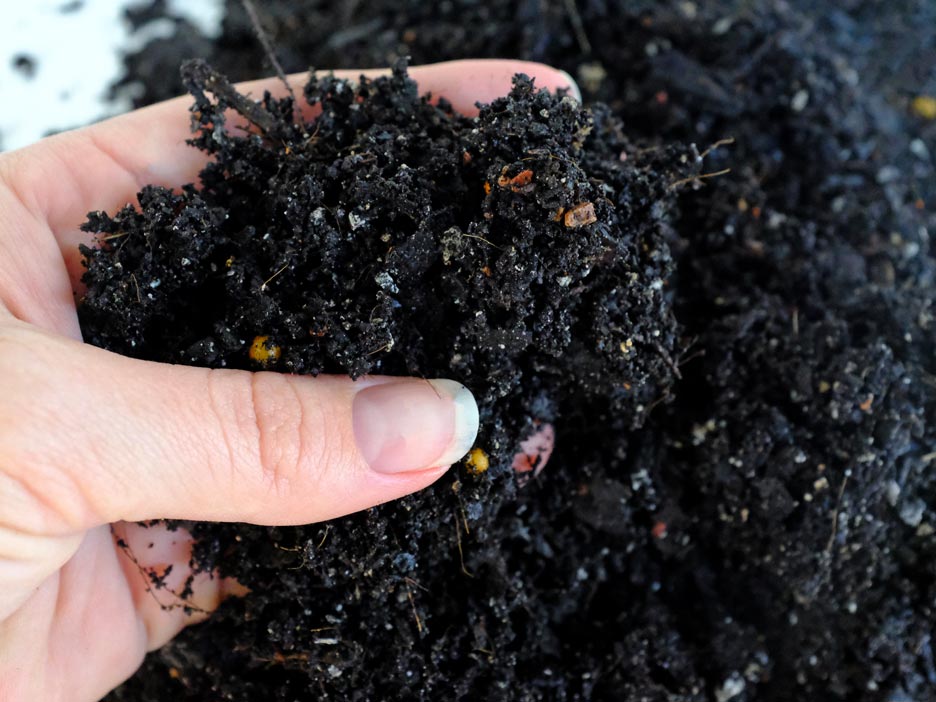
768, 533
522, 253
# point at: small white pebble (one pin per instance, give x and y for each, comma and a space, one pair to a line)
730, 688
799, 101
722, 26
892, 493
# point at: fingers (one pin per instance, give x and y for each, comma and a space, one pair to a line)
77, 636
90, 437
156, 564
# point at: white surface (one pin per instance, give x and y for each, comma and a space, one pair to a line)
77, 55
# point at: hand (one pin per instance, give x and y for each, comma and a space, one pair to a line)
91, 442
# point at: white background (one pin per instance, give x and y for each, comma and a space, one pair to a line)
77, 55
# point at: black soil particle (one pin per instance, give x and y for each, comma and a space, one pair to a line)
740, 506
71, 6
25, 64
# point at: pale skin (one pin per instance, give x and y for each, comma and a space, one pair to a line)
91, 442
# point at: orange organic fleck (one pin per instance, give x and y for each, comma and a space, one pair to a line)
581, 215
477, 461
264, 351
519, 183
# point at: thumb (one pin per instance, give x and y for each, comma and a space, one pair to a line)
95, 437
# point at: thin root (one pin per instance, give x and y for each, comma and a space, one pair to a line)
693, 179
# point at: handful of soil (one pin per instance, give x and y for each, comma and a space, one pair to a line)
522, 252
767, 536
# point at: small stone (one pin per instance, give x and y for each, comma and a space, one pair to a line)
730, 688
918, 148
722, 26
911, 512
385, 281
892, 492
799, 101
888, 174
356, 221
591, 76
580, 215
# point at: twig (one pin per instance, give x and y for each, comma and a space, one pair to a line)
461, 554
320, 543
720, 142
197, 74
409, 594
835, 514
475, 236
413, 582
433, 388
578, 27
656, 403
691, 179
264, 38
268, 280
137, 286
385, 347
147, 575
667, 359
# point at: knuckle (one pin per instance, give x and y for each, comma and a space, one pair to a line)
268, 435
278, 420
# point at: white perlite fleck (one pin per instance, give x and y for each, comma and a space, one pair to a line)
799, 101
730, 688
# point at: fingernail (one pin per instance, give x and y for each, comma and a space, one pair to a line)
573, 86
414, 425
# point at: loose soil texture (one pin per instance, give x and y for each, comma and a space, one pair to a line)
750, 520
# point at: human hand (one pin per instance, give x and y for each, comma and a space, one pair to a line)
91, 442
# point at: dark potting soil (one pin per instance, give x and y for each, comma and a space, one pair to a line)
757, 526
522, 253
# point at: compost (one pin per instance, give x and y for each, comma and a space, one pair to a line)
738, 366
